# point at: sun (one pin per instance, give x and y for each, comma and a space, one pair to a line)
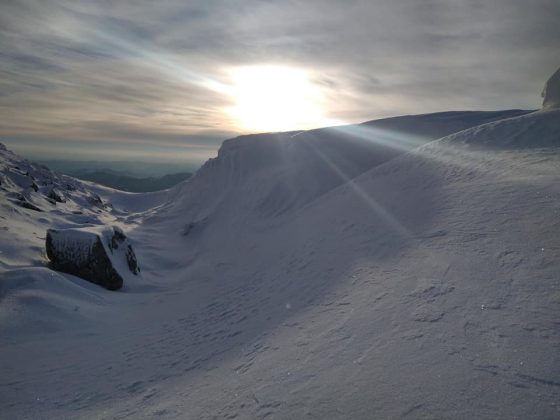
275, 98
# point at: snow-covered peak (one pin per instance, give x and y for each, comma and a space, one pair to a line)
278, 173
551, 91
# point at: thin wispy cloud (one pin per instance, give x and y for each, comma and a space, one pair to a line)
143, 74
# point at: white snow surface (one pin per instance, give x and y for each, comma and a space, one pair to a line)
295, 278
551, 92
76, 244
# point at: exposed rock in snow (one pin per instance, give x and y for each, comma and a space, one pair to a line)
35, 187
100, 255
22, 202
56, 196
551, 92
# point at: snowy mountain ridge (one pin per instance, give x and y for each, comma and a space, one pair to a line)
551, 92
291, 169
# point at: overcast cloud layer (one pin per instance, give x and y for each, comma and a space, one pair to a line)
122, 79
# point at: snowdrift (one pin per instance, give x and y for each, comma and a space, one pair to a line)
411, 290
271, 175
551, 92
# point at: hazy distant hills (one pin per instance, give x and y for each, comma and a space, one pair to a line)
124, 182
131, 176
135, 169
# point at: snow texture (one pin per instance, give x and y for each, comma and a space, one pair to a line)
74, 244
302, 275
551, 92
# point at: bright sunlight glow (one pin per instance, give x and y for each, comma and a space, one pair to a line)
275, 98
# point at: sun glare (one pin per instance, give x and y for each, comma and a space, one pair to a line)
274, 98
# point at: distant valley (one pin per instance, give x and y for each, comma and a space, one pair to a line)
130, 183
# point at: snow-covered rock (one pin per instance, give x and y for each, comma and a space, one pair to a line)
551, 91
34, 199
101, 255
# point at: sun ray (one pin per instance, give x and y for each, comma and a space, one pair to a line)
370, 201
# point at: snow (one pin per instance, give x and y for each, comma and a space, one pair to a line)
551, 91
278, 173
76, 246
340, 273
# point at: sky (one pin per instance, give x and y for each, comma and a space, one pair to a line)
169, 80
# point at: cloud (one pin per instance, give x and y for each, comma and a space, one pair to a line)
138, 72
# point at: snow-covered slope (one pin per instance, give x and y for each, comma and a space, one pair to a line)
270, 175
32, 200
551, 92
427, 287
424, 285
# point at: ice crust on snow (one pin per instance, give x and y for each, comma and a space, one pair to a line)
551, 92
74, 244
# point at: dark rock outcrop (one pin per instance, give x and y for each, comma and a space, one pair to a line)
23, 202
100, 255
55, 196
96, 200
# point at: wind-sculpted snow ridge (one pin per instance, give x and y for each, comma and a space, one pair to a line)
274, 174
551, 92
527, 131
